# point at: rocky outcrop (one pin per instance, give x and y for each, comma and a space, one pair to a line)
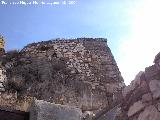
79, 72
141, 99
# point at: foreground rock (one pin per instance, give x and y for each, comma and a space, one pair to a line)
41, 110
141, 100
150, 113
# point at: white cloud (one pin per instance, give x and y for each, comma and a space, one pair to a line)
138, 49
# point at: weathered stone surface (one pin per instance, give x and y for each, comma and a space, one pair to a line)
158, 106
75, 72
147, 97
155, 88
136, 82
41, 110
128, 89
150, 113
137, 93
136, 107
2, 89
152, 72
71, 72
113, 87
87, 115
141, 99
157, 59
2, 78
1, 85
144, 86
9, 101
109, 115
137, 79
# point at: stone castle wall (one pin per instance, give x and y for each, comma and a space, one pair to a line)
87, 75
89, 57
91, 60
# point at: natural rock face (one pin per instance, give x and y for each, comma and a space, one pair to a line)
136, 107
141, 101
79, 72
155, 88
147, 97
150, 113
41, 110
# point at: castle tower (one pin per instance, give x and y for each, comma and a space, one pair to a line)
2, 42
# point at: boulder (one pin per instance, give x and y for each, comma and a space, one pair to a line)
157, 59
155, 88
41, 110
136, 107
137, 79
147, 97
127, 90
150, 113
136, 82
158, 106
152, 72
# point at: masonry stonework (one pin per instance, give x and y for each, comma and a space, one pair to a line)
91, 58
88, 58
2, 78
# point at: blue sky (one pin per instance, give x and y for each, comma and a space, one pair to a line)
92, 18
120, 21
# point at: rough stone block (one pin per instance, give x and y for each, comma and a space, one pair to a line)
144, 86
138, 77
157, 59
152, 72
82, 61
147, 97
111, 88
158, 106
41, 110
1, 85
127, 90
2, 89
136, 82
150, 113
155, 88
136, 107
